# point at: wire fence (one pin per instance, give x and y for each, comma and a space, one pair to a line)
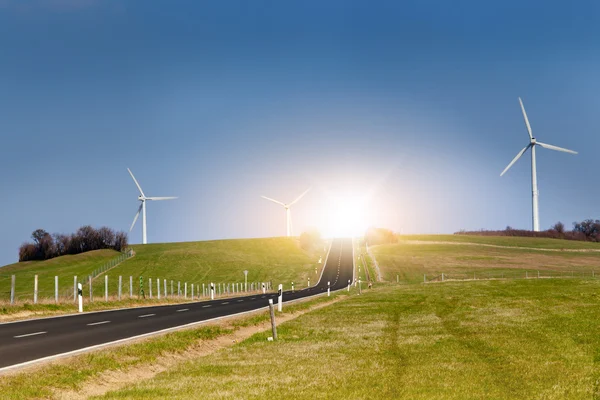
509, 274
128, 253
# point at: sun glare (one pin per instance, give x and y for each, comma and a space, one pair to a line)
345, 217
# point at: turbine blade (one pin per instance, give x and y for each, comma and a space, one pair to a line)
551, 147
161, 198
299, 197
526, 119
274, 201
136, 217
515, 159
136, 183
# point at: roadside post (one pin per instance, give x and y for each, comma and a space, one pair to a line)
35, 290
120, 285
280, 298
359, 286
75, 288
91, 291
328, 289
150, 287
245, 280
185, 290
212, 291
56, 289
263, 288
272, 312
192, 291
165, 288
12, 289
105, 287
348, 284
308, 285
141, 293
80, 296
292, 287
158, 288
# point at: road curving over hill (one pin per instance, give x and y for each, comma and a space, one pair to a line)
26, 342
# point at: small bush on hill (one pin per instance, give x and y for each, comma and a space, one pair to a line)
46, 246
380, 236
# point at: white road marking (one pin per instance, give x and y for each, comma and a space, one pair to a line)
225, 302
98, 323
254, 298
206, 306
239, 301
182, 310
146, 315
29, 334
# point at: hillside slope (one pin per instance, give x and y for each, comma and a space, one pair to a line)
276, 259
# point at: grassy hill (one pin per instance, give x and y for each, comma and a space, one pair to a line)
276, 259
415, 255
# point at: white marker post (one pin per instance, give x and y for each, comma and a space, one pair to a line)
280, 298
348, 284
203, 290
80, 296
56, 289
292, 287
120, 285
35, 289
158, 288
105, 287
12, 289
212, 291
263, 288
165, 288
246, 280
192, 291
308, 285
150, 287
75, 288
328, 289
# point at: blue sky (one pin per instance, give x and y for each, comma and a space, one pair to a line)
413, 104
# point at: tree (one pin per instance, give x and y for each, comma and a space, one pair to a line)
559, 227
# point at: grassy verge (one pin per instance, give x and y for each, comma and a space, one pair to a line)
45, 381
494, 340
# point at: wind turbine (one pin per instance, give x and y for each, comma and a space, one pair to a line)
142, 208
287, 210
532, 143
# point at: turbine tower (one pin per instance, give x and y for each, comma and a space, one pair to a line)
532, 144
287, 210
142, 197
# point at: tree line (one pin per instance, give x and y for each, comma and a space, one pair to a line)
587, 230
46, 246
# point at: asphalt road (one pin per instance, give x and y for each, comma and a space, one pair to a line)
26, 341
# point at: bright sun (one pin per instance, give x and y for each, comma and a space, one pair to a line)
345, 216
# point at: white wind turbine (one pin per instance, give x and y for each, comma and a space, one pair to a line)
142, 208
532, 143
287, 210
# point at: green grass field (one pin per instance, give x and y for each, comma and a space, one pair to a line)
535, 339
414, 256
276, 259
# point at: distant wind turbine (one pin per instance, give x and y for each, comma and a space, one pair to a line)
287, 210
532, 143
142, 208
